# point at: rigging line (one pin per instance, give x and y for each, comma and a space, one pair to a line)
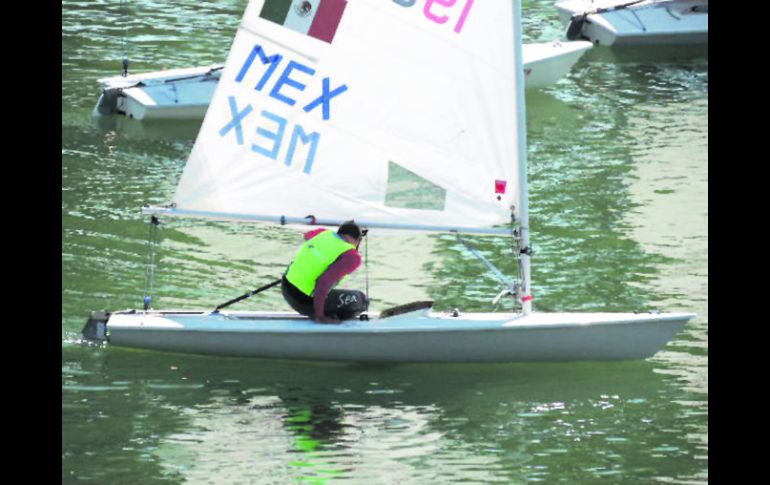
613, 8
147, 268
150, 272
496, 272
672, 13
124, 40
204, 76
641, 24
518, 287
366, 268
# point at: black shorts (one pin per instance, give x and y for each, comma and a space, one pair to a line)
340, 304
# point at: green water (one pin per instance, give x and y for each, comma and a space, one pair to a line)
618, 156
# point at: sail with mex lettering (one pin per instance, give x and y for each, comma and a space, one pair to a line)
386, 111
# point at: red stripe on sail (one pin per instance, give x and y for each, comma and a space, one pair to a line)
327, 18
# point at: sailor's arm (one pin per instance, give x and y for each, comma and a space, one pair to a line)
343, 266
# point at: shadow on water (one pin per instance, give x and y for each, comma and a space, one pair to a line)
545, 109
189, 416
149, 129
648, 54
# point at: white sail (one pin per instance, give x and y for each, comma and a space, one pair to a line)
394, 111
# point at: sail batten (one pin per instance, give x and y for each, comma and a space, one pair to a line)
323, 104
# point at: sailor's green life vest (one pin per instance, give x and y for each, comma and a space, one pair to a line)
312, 259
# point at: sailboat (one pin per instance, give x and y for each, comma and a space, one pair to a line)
636, 22
173, 94
185, 94
398, 114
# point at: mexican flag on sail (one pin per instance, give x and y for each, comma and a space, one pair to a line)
317, 19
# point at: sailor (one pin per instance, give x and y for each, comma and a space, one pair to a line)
322, 261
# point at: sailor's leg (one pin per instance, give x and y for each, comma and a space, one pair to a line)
303, 306
345, 304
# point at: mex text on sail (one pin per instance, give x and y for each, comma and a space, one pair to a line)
271, 128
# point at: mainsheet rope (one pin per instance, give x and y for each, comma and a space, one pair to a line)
366, 268
124, 41
150, 272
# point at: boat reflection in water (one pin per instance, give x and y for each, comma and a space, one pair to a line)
272, 421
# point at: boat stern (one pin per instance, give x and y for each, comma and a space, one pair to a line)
108, 102
568, 8
95, 329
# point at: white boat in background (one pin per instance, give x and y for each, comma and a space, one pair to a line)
547, 62
186, 93
639, 22
313, 114
172, 94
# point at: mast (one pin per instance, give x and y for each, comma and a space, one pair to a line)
521, 128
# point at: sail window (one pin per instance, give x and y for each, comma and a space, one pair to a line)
407, 190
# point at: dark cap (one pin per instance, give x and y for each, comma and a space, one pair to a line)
350, 228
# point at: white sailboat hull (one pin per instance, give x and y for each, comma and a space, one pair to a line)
175, 94
419, 336
186, 93
653, 22
547, 62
